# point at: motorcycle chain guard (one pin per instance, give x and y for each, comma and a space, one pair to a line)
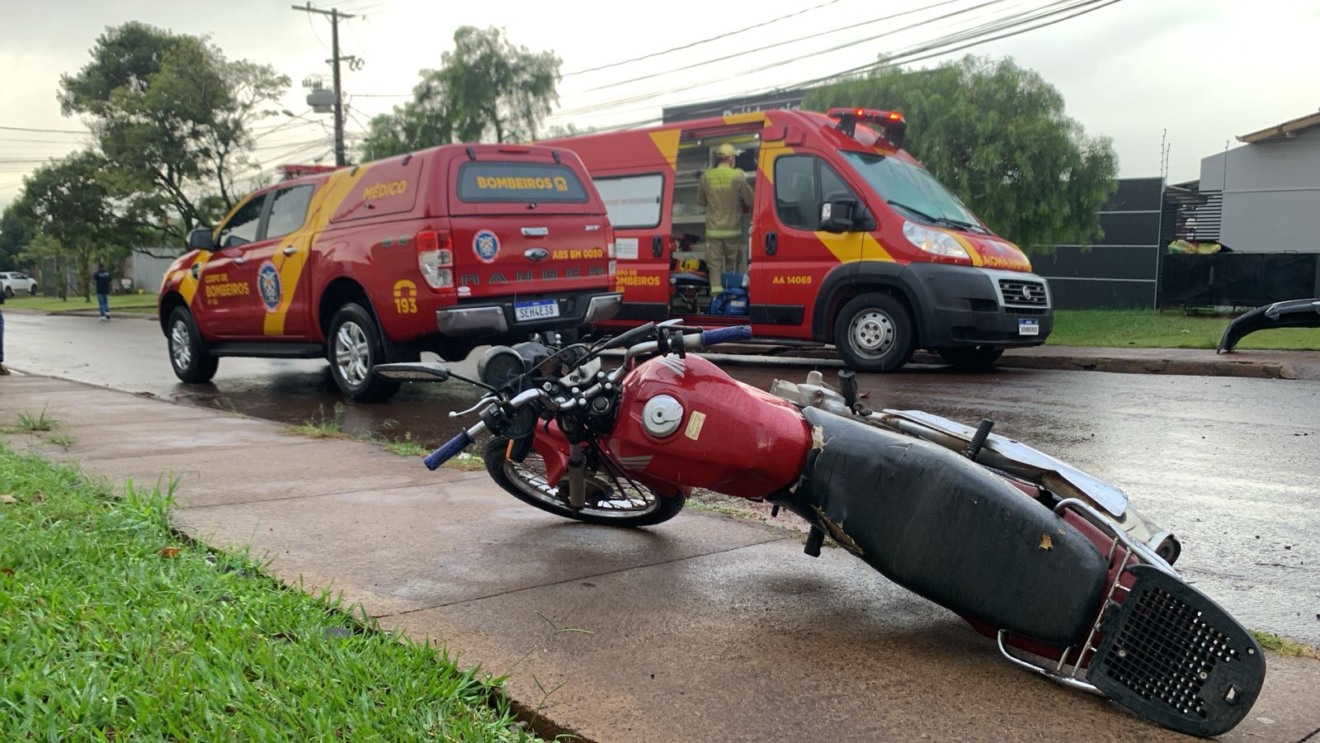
1171, 655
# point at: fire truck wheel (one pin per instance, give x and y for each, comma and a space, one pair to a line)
354, 351
873, 333
192, 362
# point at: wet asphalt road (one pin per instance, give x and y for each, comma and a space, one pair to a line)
1231, 465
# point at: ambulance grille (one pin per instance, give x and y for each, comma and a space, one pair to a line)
1020, 293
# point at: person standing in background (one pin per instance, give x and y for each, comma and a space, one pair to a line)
3, 370
724, 192
102, 278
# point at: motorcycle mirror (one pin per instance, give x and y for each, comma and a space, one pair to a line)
500, 365
413, 371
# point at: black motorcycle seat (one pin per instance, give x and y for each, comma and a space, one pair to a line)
952, 531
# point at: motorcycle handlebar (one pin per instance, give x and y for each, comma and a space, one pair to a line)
451, 448
724, 335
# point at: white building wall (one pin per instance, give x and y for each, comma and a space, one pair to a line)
1271, 194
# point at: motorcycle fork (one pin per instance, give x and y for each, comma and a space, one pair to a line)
577, 477
564, 461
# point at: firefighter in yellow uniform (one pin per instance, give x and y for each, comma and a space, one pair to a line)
723, 191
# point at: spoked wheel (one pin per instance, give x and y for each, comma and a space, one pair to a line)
612, 501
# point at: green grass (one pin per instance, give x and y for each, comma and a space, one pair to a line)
129, 303
1167, 329
39, 422
61, 440
1284, 646
322, 427
117, 628
407, 447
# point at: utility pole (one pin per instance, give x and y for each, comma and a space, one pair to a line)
335, 16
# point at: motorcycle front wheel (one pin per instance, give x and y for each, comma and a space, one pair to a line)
611, 501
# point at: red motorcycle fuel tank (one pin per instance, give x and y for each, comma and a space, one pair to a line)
684, 421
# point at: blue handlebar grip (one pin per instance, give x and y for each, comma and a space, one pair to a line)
447, 452
726, 335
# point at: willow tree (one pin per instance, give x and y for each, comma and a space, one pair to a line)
996, 135
485, 90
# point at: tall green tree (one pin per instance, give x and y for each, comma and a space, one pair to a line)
485, 90
997, 135
173, 118
80, 217
14, 235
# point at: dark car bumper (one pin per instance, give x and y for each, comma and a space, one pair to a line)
963, 306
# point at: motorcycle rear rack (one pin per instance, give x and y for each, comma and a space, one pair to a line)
1166, 653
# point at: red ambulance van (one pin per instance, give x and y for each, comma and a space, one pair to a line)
850, 241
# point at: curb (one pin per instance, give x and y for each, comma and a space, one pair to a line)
1255, 370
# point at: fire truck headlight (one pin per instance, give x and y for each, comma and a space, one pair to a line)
934, 241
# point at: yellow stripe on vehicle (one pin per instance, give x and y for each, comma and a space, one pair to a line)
744, 118
770, 153
844, 247
667, 143
967, 245
324, 205
187, 282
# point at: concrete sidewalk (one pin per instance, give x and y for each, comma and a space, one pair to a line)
704, 628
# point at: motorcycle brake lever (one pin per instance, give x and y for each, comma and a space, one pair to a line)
482, 403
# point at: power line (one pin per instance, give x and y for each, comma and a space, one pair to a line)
43, 131
918, 55
808, 37
699, 42
790, 60
976, 35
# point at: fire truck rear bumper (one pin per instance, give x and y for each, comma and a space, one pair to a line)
500, 317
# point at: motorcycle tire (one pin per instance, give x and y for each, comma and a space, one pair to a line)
610, 501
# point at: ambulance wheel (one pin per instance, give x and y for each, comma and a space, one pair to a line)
355, 349
971, 357
873, 333
610, 501
192, 362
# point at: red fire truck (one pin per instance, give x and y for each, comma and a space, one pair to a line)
850, 240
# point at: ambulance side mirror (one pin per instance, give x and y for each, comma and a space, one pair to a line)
845, 214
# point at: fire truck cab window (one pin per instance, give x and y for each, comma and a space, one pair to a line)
241, 228
802, 184
288, 210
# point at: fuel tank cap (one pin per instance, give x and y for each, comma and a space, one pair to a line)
661, 415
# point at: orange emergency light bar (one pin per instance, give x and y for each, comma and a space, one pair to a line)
891, 123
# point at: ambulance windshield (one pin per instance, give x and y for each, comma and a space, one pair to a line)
913, 191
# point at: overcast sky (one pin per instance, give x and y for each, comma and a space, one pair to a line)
1190, 73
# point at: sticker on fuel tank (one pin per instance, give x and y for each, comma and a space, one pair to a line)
486, 245
695, 422
268, 286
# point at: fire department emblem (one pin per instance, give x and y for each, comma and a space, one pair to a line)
486, 245
268, 286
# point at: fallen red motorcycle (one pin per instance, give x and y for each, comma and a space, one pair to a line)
1051, 562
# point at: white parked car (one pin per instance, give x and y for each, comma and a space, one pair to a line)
13, 282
